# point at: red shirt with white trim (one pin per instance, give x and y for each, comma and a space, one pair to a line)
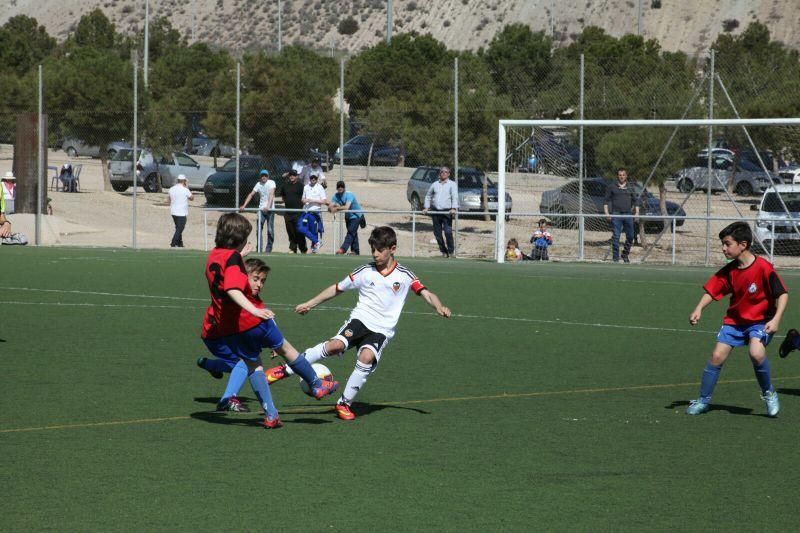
754, 291
225, 271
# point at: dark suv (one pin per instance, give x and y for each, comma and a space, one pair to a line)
220, 187
357, 152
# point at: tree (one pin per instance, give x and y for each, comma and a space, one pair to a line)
23, 44
96, 31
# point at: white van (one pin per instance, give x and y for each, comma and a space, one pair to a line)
777, 225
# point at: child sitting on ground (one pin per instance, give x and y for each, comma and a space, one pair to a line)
513, 252
541, 240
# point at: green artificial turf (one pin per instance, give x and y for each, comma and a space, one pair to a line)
552, 400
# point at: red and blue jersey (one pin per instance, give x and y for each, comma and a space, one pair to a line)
754, 291
225, 271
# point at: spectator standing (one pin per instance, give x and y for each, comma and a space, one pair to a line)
265, 188
6, 237
621, 200
443, 196
179, 196
314, 198
313, 169
344, 200
9, 191
292, 192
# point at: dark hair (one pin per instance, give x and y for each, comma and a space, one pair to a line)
621, 169
256, 265
382, 237
739, 231
232, 231
542, 221
340, 184
313, 177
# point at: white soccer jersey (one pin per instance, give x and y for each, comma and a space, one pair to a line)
380, 298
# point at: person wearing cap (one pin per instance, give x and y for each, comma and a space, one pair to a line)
313, 169
265, 188
9, 191
292, 192
344, 200
310, 224
179, 196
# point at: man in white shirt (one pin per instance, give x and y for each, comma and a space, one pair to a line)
443, 196
265, 188
314, 169
310, 224
179, 196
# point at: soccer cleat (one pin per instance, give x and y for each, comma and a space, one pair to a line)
232, 405
343, 411
787, 346
771, 401
274, 423
201, 361
276, 373
697, 407
326, 387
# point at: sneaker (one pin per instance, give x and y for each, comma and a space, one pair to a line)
274, 423
276, 373
697, 407
325, 388
788, 343
314, 248
343, 411
625, 259
772, 403
232, 405
340, 252
201, 361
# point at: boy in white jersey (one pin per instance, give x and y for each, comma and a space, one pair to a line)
382, 289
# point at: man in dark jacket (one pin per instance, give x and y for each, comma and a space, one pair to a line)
621, 200
292, 192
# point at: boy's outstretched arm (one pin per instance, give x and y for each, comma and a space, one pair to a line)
694, 318
324, 296
434, 302
780, 306
242, 301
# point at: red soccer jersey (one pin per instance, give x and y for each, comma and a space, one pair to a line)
225, 271
754, 291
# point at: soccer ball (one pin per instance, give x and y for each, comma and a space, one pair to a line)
322, 371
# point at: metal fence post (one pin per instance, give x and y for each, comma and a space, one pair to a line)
341, 119
710, 158
582, 221
135, 139
413, 234
40, 171
238, 118
455, 143
673, 239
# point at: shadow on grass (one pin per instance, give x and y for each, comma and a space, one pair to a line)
790, 392
241, 419
732, 409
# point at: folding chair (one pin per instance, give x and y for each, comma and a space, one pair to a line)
54, 181
76, 175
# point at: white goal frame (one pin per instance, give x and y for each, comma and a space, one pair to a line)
505, 123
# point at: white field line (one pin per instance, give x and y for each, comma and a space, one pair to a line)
320, 308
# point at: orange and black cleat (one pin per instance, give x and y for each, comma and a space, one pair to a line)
344, 412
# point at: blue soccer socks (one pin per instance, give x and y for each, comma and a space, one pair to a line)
236, 380
709, 381
259, 383
302, 368
763, 375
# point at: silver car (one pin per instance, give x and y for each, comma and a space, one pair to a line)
747, 180
76, 147
470, 190
170, 166
154, 172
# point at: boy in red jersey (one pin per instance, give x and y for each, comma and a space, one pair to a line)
237, 325
758, 300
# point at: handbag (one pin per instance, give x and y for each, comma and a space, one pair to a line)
363, 222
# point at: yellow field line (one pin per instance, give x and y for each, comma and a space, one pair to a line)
402, 402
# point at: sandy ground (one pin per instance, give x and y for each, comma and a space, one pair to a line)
96, 217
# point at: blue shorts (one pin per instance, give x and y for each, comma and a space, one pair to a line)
247, 344
741, 335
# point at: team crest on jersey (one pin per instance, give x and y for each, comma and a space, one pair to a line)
348, 333
752, 288
396, 286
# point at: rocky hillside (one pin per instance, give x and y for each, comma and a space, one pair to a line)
687, 25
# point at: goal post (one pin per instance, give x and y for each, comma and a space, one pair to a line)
505, 164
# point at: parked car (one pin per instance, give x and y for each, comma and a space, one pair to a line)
120, 170
171, 165
470, 190
775, 227
790, 175
747, 180
75, 147
220, 187
564, 201
357, 152
205, 146
325, 161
